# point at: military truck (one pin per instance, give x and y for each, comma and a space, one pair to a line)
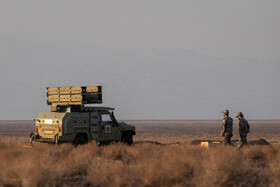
71, 120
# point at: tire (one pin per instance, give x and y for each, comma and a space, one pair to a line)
127, 139
79, 140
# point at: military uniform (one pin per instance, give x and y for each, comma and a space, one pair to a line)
227, 130
243, 130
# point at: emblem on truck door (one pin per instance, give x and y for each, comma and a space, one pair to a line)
108, 129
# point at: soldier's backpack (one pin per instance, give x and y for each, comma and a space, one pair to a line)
247, 126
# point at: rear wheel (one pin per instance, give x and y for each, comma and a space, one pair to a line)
79, 140
127, 139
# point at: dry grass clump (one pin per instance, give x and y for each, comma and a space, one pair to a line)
24, 167
222, 167
144, 164
274, 166
254, 152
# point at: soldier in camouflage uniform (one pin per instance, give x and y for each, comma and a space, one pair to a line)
226, 132
244, 128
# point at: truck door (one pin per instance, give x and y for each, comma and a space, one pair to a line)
108, 127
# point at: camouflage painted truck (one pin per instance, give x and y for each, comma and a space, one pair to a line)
70, 120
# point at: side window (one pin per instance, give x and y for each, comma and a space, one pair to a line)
106, 118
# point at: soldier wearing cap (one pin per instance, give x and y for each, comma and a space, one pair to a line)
244, 128
226, 132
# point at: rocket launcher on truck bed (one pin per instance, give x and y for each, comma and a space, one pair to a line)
59, 98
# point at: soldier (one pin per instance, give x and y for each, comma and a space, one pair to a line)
244, 128
226, 132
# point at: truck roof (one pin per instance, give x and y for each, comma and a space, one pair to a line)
96, 109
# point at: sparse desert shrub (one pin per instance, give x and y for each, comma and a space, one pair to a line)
20, 166
222, 166
171, 165
144, 164
274, 167
254, 152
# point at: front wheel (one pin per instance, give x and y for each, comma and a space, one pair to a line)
127, 139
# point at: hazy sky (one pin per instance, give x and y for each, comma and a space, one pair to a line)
155, 59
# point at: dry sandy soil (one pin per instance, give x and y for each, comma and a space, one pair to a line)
161, 156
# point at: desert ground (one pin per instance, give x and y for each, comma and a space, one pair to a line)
163, 155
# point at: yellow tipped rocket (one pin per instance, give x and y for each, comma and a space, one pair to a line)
61, 97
